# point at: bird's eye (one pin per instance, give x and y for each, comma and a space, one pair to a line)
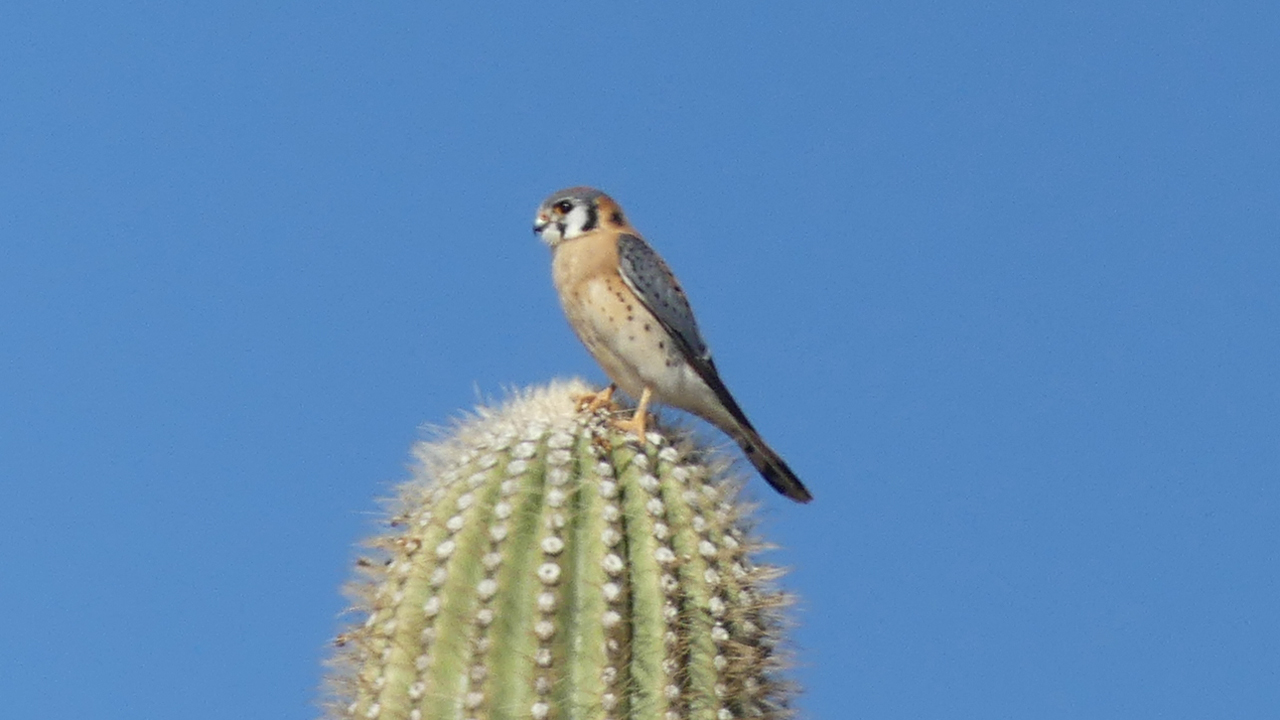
564, 206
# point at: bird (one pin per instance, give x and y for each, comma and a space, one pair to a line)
631, 313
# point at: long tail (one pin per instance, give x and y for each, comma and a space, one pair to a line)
771, 466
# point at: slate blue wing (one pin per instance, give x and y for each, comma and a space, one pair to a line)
650, 279
655, 285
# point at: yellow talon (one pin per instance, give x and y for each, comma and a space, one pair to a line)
591, 402
638, 423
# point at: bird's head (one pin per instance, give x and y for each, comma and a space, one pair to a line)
575, 211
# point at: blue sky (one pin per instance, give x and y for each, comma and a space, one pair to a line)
1000, 280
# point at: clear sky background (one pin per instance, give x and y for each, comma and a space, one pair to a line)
1001, 280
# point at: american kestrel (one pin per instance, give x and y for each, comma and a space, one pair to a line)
630, 312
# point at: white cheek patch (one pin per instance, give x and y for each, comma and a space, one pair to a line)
575, 221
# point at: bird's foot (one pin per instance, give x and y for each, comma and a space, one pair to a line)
591, 402
639, 422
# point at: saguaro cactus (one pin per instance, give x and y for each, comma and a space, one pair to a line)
542, 565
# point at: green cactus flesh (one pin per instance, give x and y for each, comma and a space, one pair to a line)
544, 565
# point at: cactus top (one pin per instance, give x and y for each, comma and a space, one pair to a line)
543, 565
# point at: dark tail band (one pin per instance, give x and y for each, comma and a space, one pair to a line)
771, 466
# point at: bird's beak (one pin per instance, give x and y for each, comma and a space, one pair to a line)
547, 228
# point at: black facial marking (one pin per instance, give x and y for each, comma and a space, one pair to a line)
593, 218
616, 218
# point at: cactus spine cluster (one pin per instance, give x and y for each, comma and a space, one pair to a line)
543, 565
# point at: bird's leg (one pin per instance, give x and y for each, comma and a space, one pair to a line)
638, 422
591, 402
